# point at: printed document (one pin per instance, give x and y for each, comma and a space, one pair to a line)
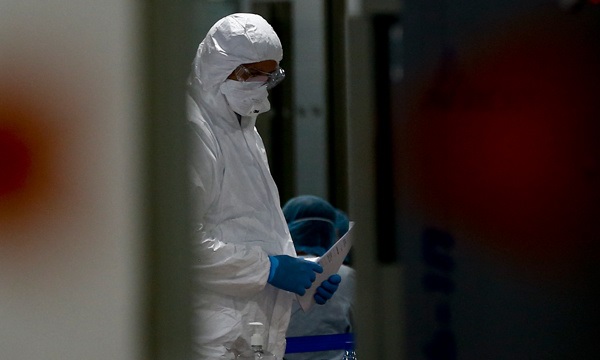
331, 262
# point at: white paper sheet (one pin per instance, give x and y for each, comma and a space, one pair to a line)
331, 262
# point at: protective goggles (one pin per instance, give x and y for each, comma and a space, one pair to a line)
242, 73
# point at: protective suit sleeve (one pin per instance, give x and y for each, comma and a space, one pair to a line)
238, 270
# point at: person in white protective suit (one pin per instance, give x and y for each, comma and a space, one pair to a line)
245, 267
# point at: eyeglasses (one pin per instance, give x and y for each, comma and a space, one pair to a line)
243, 73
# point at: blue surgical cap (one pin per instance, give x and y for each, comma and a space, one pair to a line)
312, 223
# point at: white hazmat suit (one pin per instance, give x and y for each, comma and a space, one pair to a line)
238, 215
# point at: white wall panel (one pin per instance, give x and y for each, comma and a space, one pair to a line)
310, 81
69, 180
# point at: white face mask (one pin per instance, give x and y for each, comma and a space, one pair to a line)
246, 97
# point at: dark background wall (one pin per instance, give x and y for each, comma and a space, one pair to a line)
497, 177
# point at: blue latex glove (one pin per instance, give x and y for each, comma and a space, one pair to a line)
327, 289
292, 274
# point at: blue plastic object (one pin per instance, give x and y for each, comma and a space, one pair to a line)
302, 344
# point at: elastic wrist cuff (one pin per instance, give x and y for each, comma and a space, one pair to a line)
274, 265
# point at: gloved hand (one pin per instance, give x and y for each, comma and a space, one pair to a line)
327, 289
292, 274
